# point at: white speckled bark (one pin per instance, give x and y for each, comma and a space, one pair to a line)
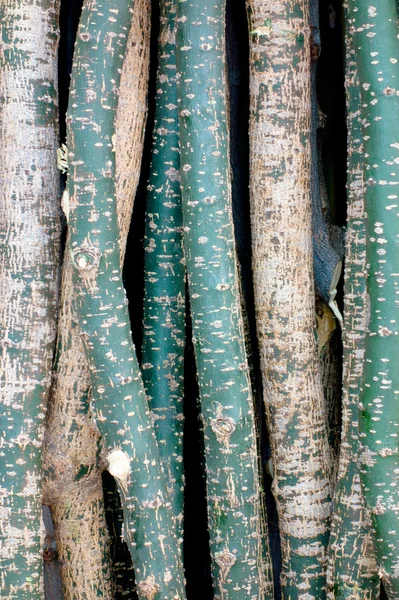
73, 485
280, 156
29, 256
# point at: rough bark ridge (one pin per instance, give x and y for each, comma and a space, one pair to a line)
239, 567
29, 253
352, 569
72, 457
164, 271
120, 405
374, 33
280, 157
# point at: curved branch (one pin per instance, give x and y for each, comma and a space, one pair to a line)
119, 400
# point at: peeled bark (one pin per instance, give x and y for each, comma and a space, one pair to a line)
164, 271
280, 159
352, 569
374, 33
240, 567
72, 460
29, 252
119, 400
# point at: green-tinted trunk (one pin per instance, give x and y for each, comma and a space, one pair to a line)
239, 568
164, 301
72, 457
120, 405
29, 254
352, 570
374, 33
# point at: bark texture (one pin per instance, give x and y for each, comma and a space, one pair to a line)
240, 565
374, 31
72, 458
120, 405
280, 159
352, 569
29, 253
328, 341
164, 271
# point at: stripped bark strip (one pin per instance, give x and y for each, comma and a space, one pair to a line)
164, 271
29, 251
374, 33
233, 492
131, 116
352, 569
72, 458
119, 400
280, 155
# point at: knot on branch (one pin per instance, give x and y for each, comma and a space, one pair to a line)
225, 560
148, 588
223, 427
85, 257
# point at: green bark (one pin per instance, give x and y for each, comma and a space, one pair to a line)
164, 271
29, 252
73, 459
374, 33
352, 569
233, 492
120, 405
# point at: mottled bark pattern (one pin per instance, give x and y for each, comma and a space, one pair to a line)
73, 486
280, 156
29, 240
352, 569
374, 31
72, 458
120, 405
164, 271
233, 492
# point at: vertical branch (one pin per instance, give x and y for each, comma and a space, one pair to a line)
352, 570
374, 35
119, 400
280, 161
72, 458
29, 253
164, 300
239, 565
